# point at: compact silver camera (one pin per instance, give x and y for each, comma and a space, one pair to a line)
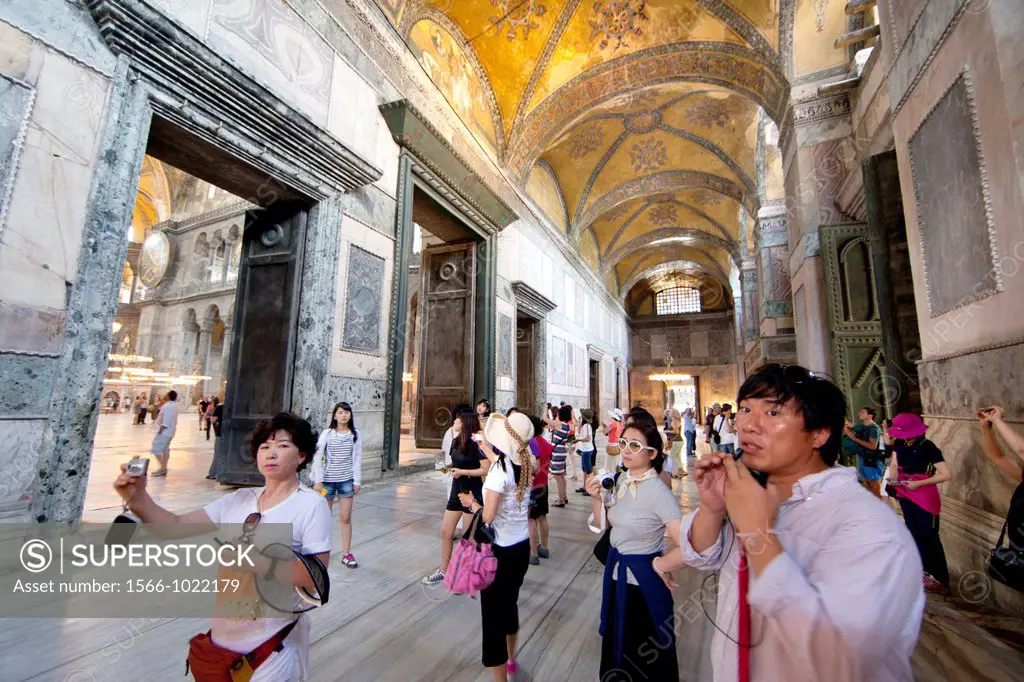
137, 467
605, 479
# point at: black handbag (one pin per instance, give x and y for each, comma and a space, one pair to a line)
1006, 564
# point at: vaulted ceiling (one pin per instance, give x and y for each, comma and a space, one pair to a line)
636, 126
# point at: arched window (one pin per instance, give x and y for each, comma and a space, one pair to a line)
677, 300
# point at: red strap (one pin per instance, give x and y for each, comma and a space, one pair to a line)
744, 632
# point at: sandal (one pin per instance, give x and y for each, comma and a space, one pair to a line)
559, 503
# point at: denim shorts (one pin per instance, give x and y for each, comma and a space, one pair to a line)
339, 488
587, 460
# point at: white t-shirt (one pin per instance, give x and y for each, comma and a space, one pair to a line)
310, 517
511, 525
721, 426
585, 432
169, 417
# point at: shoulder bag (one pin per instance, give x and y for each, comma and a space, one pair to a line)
1006, 564
473, 564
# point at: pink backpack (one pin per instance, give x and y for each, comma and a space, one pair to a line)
473, 565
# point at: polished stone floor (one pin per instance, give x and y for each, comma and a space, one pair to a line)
383, 625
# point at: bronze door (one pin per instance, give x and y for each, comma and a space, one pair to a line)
595, 388
447, 312
526, 391
263, 343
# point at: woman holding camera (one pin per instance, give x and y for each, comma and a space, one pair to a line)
637, 624
469, 467
505, 508
275, 647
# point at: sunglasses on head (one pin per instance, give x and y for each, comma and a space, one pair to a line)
249, 526
633, 446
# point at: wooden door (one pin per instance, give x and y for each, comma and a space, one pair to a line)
447, 316
263, 343
595, 387
526, 360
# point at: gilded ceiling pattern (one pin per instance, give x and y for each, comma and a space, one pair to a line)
633, 125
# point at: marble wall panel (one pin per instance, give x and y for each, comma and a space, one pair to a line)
953, 212
557, 361
503, 400
504, 345
272, 44
47, 207
27, 384
959, 386
30, 329
363, 301
353, 116
15, 106
18, 461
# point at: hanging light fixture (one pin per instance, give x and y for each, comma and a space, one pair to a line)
116, 326
669, 377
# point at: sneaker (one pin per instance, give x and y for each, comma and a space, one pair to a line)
434, 578
534, 560
543, 552
582, 491
159, 473
349, 560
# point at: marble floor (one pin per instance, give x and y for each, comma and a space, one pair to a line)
383, 625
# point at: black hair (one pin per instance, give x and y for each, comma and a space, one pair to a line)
470, 425
565, 413
300, 430
351, 419
639, 414
511, 410
651, 434
552, 412
538, 425
726, 407
819, 401
172, 395
483, 401
216, 400
872, 411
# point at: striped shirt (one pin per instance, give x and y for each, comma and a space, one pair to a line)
339, 457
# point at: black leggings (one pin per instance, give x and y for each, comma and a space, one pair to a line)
924, 527
499, 608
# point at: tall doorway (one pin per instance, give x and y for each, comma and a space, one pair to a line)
595, 385
439, 362
526, 363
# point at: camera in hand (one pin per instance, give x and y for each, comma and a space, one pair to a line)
137, 467
605, 479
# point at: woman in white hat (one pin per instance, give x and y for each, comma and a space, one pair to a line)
613, 430
505, 509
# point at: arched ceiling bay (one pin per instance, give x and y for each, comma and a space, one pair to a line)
625, 121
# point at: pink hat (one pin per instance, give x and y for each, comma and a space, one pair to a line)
907, 425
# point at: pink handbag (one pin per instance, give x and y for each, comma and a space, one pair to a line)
473, 564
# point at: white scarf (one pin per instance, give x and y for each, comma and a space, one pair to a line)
631, 482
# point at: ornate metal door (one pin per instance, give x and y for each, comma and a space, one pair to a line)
853, 317
263, 344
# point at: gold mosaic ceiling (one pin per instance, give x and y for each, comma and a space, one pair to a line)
632, 124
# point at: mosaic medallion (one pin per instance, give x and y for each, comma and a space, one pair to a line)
642, 121
648, 155
585, 141
617, 20
663, 215
661, 198
707, 197
517, 14
709, 113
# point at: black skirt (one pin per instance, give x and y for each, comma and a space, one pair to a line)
466, 484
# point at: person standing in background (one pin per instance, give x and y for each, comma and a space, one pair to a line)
541, 449
167, 425
861, 440
612, 430
712, 437
337, 468
201, 410
690, 432
585, 446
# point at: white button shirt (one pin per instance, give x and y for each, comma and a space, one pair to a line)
844, 600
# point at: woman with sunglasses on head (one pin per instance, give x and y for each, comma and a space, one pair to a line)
337, 470
637, 624
279, 647
505, 508
469, 467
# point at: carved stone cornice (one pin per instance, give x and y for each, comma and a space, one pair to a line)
438, 164
531, 301
178, 226
821, 108
198, 90
595, 353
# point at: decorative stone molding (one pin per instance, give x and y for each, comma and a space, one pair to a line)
531, 301
178, 226
436, 163
934, 23
595, 353
821, 108
973, 350
199, 91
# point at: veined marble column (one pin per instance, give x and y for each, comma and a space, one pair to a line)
776, 335
203, 355
815, 139
225, 357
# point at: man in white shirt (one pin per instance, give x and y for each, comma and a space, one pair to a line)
725, 425
167, 424
832, 577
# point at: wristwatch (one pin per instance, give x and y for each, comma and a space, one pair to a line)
269, 575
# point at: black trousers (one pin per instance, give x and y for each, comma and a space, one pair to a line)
642, 658
924, 527
499, 608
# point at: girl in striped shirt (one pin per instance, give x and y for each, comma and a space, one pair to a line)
336, 471
562, 438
